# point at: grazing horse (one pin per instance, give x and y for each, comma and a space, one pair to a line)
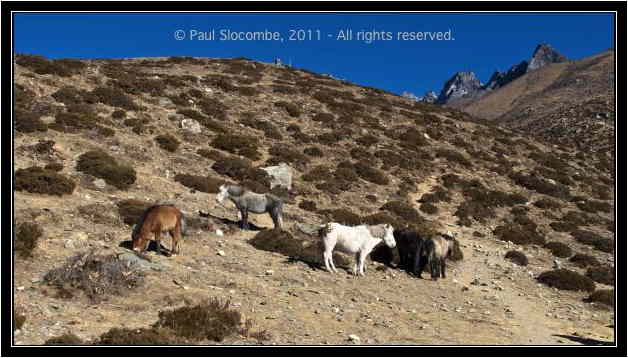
246, 200
409, 245
434, 252
356, 240
154, 221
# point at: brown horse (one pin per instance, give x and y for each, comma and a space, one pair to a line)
154, 221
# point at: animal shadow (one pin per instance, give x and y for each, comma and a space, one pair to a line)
585, 341
152, 246
252, 227
313, 265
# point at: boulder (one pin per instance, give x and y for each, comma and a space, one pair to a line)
190, 125
281, 175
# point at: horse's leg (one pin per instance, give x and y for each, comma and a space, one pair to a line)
328, 258
158, 241
245, 219
362, 262
442, 268
356, 265
418, 265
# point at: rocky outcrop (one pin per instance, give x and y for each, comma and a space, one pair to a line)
460, 85
500, 79
281, 175
429, 97
544, 55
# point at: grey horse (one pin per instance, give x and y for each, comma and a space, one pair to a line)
246, 200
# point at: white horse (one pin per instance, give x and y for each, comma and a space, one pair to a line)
357, 240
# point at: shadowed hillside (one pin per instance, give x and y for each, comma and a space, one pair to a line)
97, 141
569, 103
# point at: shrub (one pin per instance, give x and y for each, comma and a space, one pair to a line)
601, 274
238, 144
381, 218
584, 260
26, 237
517, 257
168, 142
210, 154
593, 206
540, 185
595, 240
341, 216
43, 181
429, 208
64, 339
96, 275
28, 122
131, 210
518, 234
564, 279
548, 204
241, 170
283, 153
367, 140
142, 336
313, 152
18, 320
403, 210
559, 249
308, 205
206, 184
112, 97
324, 117
42, 66
438, 194
118, 114
213, 108
453, 156
73, 122
318, 173
291, 108
606, 297
102, 165
369, 174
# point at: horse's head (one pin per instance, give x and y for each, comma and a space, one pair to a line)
389, 237
222, 193
137, 242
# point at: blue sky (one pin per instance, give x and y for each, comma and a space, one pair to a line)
481, 42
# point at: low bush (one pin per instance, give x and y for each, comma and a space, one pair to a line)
26, 237
18, 320
308, 205
403, 210
306, 250
602, 274
453, 156
318, 173
564, 279
593, 206
324, 117
370, 174
284, 153
213, 320
168, 142
213, 108
38, 180
97, 276
518, 234
112, 97
292, 109
593, 239
559, 249
437, 195
102, 165
245, 146
428, 208
42, 66
548, 204
606, 297
241, 170
118, 114
517, 257
584, 260
64, 339
28, 122
206, 184
131, 210
141, 336
313, 152
541, 186
210, 154
341, 216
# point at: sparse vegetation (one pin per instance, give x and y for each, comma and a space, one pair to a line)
341, 216
28, 122
284, 153
102, 165
602, 274
96, 276
593, 239
43, 181
292, 109
559, 249
606, 297
564, 279
69, 339
42, 66
308, 205
131, 210
584, 260
168, 142
26, 237
517, 257
18, 320
207, 184
238, 144
141, 336
518, 234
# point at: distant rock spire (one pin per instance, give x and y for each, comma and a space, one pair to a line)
543, 55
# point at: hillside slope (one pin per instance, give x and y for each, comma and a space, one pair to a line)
569, 103
359, 155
